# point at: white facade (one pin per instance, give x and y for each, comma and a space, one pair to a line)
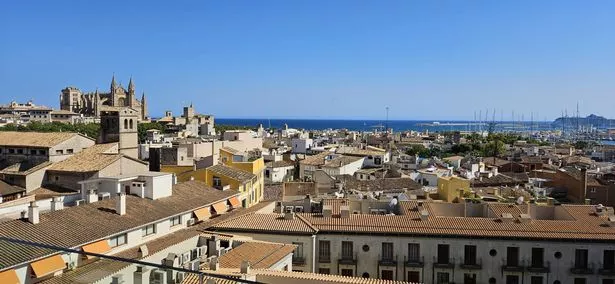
301, 145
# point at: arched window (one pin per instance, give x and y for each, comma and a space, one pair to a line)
125, 123
131, 125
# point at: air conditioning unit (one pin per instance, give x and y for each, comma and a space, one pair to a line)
179, 277
191, 222
104, 195
195, 265
203, 252
79, 202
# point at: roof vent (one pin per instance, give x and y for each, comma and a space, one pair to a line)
424, 215
345, 211
507, 217
525, 218
327, 211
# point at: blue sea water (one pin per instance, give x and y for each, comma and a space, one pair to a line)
368, 125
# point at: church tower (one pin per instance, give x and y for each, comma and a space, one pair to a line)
131, 94
96, 104
114, 97
143, 107
121, 126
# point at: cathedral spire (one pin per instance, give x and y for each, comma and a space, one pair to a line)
113, 85
131, 85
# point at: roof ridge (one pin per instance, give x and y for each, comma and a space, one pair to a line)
308, 223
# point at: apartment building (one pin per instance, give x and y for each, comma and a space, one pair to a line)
436, 242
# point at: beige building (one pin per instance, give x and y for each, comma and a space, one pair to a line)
435, 242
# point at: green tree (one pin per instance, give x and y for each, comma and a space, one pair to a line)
142, 129
494, 148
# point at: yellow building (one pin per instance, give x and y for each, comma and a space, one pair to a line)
450, 189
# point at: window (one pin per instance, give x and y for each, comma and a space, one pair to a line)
217, 181
347, 272
267, 173
512, 256
414, 276
324, 251
608, 259
536, 280
117, 240
387, 274
324, 271
387, 251
580, 281
442, 278
176, 220
149, 230
131, 125
32, 152
580, 259
347, 250
512, 279
469, 255
125, 123
443, 254
19, 151
11, 151
469, 278
59, 152
414, 252
298, 254
592, 190
538, 257
69, 151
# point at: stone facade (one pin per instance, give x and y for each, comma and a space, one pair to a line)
93, 103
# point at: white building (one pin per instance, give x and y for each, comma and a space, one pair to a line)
279, 171
301, 145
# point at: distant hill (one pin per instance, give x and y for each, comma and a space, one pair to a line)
592, 119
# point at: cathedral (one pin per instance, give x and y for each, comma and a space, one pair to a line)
93, 103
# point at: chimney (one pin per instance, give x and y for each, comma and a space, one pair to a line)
214, 264
289, 216
525, 218
140, 276
120, 204
91, 197
143, 251
33, 214
344, 211
174, 179
327, 211
424, 215
117, 279
245, 267
550, 201
307, 204
507, 218
57, 203
213, 246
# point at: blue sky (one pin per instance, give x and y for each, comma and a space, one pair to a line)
318, 59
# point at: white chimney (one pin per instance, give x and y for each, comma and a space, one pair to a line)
120, 205
33, 214
92, 197
57, 203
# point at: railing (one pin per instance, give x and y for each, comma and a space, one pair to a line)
443, 263
607, 270
512, 266
324, 258
348, 259
539, 267
387, 261
414, 261
580, 268
469, 263
298, 260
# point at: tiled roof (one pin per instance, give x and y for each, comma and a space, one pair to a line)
7, 189
259, 254
317, 278
381, 184
23, 168
34, 139
75, 226
233, 173
359, 152
315, 160
583, 225
495, 180
92, 159
279, 164
230, 150
531, 159
341, 161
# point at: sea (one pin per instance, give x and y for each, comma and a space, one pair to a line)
396, 125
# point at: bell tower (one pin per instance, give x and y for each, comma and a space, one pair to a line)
120, 125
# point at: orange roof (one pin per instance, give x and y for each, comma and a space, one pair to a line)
99, 247
9, 277
220, 207
235, 202
202, 214
48, 265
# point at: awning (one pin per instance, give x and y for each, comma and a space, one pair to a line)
235, 202
220, 207
47, 266
202, 214
100, 247
9, 277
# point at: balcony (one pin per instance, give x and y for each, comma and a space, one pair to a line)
387, 261
539, 267
512, 266
607, 270
324, 259
298, 260
443, 263
582, 269
471, 264
348, 259
414, 262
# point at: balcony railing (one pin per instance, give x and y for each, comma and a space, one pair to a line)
414, 261
471, 264
443, 263
324, 258
348, 259
539, 267
607, 270
576, 268
387, 261
298, 260
512, 266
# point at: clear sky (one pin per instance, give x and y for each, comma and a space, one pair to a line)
318, 59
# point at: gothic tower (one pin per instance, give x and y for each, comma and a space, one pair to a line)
121, 126
96, 104
114, 97
143, 107
131, 94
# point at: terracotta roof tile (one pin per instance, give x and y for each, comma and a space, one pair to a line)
233, 173
259, 254
92, 159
